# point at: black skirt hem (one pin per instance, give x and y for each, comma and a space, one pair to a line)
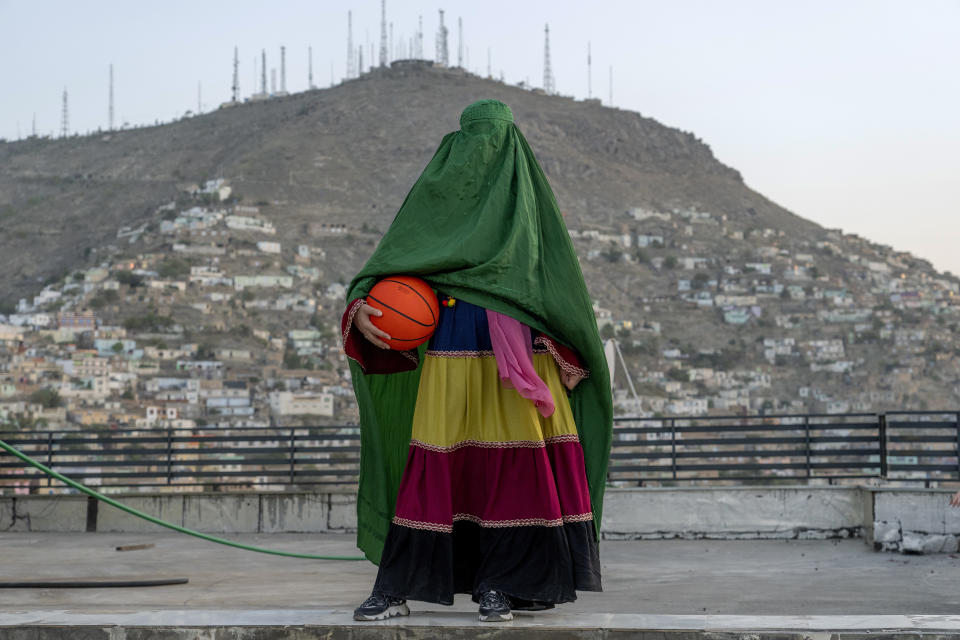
533, 565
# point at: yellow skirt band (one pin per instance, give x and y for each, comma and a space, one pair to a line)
461, 399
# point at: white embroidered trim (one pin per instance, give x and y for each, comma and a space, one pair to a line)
581, 517
567, 367
460, 354
522, 522
359, 302
486, 444
428, 526
493, 524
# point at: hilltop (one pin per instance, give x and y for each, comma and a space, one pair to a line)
214, 251
345, 155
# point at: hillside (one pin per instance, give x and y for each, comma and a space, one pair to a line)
345, 155
722, 301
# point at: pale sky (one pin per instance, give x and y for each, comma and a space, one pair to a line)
843, 111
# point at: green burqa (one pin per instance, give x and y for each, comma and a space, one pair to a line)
481, 224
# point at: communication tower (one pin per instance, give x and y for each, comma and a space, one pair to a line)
263, 71
283, 69
236, 75
310, 68
110, 115
351, 67
273, 81
418, 47
443, 54
64, 117
548, 86
610, 98
589, 78
460, 42
383, 33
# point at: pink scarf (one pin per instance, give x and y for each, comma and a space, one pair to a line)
514, 351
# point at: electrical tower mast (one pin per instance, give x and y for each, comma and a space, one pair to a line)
110, 114
310, 68
283, 69
64, 117
610, 99
460, 42
548, 86
589, 77
443, 54
235, 89
351, 69
383, 33
418, 47
263, 72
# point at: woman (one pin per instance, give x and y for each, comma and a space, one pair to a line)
478, 474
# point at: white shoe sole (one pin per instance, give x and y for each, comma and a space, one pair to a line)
497, 617
395, 610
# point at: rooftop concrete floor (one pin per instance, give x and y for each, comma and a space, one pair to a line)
669, 584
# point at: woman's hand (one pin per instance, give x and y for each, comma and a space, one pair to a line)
569, 380
955, 499
370, 332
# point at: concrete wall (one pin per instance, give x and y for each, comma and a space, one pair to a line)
905, 520
733, 512
913, 521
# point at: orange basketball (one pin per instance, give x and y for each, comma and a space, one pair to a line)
410, 310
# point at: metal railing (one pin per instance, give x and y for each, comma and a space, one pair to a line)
893, 447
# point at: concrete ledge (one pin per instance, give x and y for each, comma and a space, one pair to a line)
165, 507
733, 513
914, 521
335, 625
904, 520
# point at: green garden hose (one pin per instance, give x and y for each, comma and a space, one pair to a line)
162, 523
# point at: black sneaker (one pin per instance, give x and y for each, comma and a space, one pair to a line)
380, 607
494, 607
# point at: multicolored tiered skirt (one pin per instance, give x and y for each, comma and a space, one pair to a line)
494, 496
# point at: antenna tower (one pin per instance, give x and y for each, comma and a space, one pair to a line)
34, 129
383, 33
548, 86
391, 52
310, 68
263, 71
610, 99
351, 68
236, 76
460, 42
273, 80
110, 115
443, 54
64, 117
418, 48
589, 78
283, 69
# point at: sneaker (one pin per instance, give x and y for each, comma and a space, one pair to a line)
380, 607
494, 607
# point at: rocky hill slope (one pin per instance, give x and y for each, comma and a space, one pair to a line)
722, 301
